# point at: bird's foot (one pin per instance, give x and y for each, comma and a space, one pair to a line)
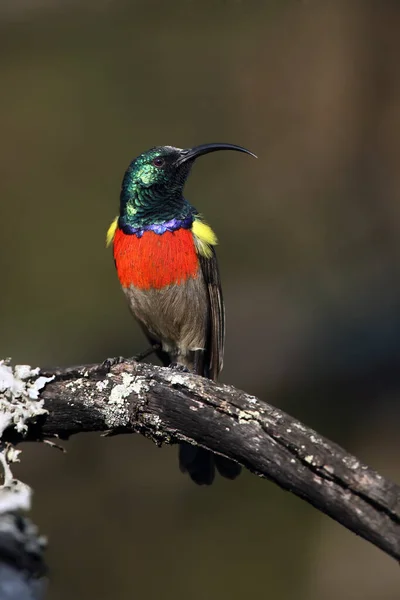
111, 362
178, 367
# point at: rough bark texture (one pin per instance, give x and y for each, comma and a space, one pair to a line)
22, 566
170, 406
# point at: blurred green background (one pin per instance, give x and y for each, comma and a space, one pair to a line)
309, 254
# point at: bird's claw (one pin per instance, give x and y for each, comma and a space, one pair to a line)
178, 367
111, 362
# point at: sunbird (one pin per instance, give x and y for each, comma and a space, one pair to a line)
164, 253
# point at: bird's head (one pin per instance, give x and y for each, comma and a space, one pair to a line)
152, 188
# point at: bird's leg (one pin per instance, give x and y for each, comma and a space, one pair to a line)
148, 352
198, 362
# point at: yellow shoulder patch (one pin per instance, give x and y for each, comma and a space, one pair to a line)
204, 237
111, 232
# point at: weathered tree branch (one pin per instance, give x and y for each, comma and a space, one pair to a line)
169, 406
22, 565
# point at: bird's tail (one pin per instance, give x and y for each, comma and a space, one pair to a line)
201, 464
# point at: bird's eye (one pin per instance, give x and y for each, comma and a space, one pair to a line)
158, 162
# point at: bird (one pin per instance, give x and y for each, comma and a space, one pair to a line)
164, 253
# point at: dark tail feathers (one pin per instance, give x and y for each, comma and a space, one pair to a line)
200, 464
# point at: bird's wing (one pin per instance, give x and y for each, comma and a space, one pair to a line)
214, 352
205, 240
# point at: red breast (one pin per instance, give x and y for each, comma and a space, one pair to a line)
155, 261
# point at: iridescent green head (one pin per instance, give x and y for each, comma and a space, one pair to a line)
152, 188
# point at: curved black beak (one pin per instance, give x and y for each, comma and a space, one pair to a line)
192, 153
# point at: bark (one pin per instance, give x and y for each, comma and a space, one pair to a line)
169, 406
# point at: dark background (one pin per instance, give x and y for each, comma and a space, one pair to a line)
309, 254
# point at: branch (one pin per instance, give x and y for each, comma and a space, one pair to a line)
169, 406
22, 565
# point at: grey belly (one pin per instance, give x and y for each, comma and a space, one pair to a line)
175, 315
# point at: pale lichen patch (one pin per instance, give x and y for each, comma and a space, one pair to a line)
152, 420
130, 384
20, 389
118, 405
101, 385
25, 371
351, 462
181, 379
19, 396
300, 426
35, 387
247, 416
252, 399
121, 391
116, 416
